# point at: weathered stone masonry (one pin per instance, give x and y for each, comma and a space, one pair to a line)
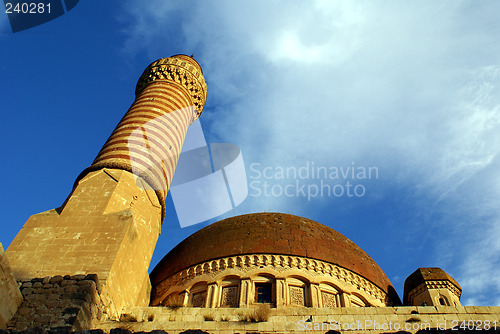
10, 296
59, 303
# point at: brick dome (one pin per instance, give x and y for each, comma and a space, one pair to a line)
271, 233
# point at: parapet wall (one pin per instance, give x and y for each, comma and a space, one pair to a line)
309, 320
72, 303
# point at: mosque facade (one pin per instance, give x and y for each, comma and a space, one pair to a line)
85, 264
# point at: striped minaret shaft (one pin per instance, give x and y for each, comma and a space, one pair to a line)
170, 95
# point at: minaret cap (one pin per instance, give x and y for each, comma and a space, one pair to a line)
182, 70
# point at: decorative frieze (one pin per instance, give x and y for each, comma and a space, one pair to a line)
180, 71
279, 263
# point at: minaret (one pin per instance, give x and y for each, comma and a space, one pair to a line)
110, 223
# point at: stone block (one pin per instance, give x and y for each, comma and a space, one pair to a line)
488, 309
279, 318
426, 309
71, 289
445, 309
292, 326
384, 310
67, 282
494, 310
460, 310
355, 310
370, 310
404, 309
265, 327
56, 279
208, 325
10, 295
347, 319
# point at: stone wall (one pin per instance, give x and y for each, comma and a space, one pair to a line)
360, 320
198, 331
10, 296
59, 303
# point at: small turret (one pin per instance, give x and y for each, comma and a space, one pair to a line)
431, 287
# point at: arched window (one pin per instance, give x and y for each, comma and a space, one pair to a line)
443, 301
265, 290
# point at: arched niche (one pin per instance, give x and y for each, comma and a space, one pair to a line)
358, 300
442, 301
174, 299
230, 291
198, 294
298, 291
330, 295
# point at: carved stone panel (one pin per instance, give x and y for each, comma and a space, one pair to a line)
199, 299
297, 296
229, 296
329, 299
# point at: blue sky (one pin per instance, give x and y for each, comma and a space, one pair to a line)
410, 88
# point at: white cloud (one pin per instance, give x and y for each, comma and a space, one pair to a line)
481, 269
408, 86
